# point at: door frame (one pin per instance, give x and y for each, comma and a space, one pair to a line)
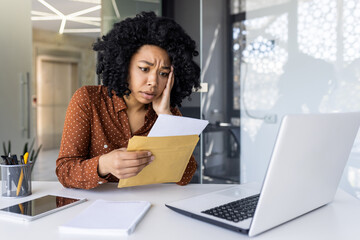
39, 61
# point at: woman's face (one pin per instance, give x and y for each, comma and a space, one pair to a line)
148, 73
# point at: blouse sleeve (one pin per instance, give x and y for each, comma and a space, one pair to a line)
192, 165
74, 168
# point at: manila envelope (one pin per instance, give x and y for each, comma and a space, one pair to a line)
172, 155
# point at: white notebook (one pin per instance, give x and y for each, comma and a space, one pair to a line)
107, 218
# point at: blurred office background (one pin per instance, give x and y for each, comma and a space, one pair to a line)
260, 60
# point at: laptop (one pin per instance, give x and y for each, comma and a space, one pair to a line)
304, 171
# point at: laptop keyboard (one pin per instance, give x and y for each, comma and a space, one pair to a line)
236, 211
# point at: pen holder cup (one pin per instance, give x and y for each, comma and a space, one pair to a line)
15, 180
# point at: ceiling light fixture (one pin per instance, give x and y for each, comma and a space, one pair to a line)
41, 13
46, 18
57, 12
74, 17
115, 9
85, 11
88, 1
62, 26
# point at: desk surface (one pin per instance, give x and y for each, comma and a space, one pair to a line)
338, 220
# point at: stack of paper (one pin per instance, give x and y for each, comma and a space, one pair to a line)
107, 218
169, 125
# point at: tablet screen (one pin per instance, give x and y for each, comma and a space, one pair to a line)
40, 206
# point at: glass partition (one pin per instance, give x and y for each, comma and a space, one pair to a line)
295, 57
261, 60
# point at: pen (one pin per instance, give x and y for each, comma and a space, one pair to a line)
5, 160
10, 161
14, 158
21, 175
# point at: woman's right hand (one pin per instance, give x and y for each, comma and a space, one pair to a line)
123, 164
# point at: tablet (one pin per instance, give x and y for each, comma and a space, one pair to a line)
39, 207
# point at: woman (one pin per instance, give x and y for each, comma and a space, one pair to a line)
146, 67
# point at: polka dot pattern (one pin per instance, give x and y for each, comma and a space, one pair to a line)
96, 124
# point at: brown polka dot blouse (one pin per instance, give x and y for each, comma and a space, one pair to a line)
96, 124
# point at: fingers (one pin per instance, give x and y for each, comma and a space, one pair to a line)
170, 82
129, 164
133, 155
130, 171
161, 105
172, 77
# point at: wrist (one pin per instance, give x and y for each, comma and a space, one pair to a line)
102, 172
168, 112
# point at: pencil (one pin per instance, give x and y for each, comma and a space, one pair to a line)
21, 175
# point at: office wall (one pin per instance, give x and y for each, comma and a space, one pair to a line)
67, 46
300, 57
63, 59
15, 63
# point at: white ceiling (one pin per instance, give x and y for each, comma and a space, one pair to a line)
67, 16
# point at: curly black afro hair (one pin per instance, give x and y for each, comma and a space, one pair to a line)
118, 46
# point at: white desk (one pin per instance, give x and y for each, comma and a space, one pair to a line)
338, 220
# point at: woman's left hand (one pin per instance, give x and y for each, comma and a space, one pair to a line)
161, 105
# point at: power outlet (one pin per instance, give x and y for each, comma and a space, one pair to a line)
270, 118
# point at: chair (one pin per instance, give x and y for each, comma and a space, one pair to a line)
229, 170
